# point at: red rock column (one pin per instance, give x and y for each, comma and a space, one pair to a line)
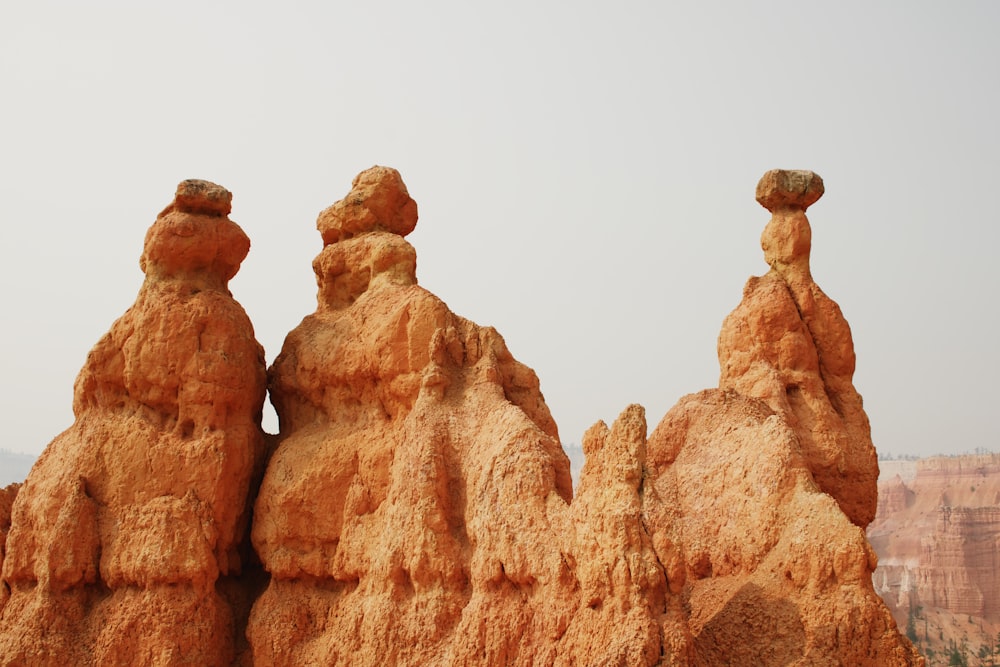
407, 515
788, 344
131, 516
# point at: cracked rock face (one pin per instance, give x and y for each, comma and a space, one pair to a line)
133, 515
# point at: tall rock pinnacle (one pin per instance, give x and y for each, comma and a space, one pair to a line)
134, 514
788, 344
410, 502
756, 493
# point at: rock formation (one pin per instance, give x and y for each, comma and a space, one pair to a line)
757, 492
7, 496
129, 522
789, 345
412, 511
418, 507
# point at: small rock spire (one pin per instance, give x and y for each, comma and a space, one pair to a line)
787, 238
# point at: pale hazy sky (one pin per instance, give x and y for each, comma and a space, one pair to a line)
585, 175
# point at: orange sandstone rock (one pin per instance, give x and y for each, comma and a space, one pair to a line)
756, 494
411, 512
7, 496
788, 344
770, 570
133, 515
418, 508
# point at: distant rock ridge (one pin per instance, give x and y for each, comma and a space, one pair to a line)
937, 535
938, 540
416, 507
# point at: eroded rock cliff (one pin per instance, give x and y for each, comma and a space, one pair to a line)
937, 534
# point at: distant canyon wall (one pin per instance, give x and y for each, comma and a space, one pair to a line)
937, 535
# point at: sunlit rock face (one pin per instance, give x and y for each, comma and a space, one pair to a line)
417, 508
789, 345
130, 520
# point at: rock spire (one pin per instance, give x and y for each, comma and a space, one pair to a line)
132, 521
789, 345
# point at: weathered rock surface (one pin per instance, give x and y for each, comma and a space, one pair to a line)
7, 496
772, 571
789, 345
417, 508
757, 493
131, 518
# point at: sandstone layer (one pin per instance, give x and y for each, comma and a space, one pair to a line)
131, 518
418, 508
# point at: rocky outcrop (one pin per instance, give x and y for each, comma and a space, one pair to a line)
770, 569
7, 496
131, 520
418, 507
757, 492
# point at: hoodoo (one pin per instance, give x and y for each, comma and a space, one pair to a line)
789, 345
129, 523
417, 508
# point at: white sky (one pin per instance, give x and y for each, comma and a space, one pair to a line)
585, 174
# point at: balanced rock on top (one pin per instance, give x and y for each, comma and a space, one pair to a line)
788, 344
131, 517
410, 500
